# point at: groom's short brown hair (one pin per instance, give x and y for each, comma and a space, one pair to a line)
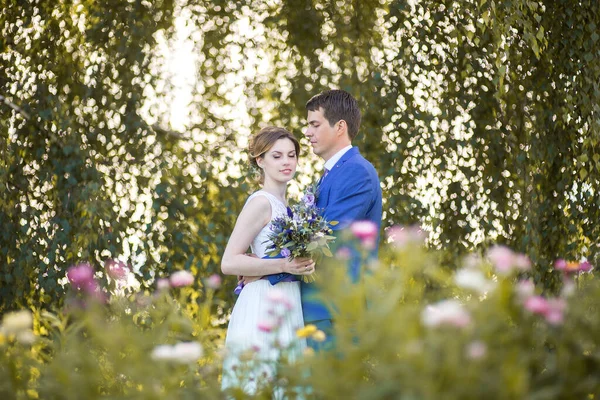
337, 105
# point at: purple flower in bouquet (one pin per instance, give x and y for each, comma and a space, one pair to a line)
302, 232
309, 199
285, 253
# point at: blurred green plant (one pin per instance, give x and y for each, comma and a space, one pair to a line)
480, 116
408, 329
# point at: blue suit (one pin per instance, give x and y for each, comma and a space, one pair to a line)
350, 192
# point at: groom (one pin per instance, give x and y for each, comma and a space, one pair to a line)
349, 189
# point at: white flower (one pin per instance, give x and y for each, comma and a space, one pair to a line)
473, 279
446, 312
183, 352
26, 337
15, 322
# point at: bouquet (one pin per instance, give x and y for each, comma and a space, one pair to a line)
303, 232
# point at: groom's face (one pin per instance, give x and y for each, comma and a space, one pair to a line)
321, 134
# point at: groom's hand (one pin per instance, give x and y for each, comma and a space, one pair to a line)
247, 279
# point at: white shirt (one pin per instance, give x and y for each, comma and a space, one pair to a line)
336, 157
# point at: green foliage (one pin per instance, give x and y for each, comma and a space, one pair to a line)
389, 342
500, 106
480, 116
85, 176
101, 351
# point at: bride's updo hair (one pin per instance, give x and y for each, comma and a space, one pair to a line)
262, 141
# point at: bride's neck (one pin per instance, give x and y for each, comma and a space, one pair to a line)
277, 190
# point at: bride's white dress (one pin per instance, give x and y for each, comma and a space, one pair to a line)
255, 307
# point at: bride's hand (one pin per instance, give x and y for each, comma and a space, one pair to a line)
301, 266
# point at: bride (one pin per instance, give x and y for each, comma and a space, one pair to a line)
274, 151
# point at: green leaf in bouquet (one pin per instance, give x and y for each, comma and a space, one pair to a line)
326, 251
312, 246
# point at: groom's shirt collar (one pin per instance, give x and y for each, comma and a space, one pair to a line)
336, 157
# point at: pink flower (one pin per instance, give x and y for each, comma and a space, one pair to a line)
214, 281
96, 293
476, 350
585, 266
365, 231
81, 276
506, 261
265, 326
401, 236
537, 305
551, 309
525, 288
555, 313
278, 297
572, 266
522, 262
343, 253
560, 264
116, 269
162, 284
181, 279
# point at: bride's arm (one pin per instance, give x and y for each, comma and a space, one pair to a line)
255, 215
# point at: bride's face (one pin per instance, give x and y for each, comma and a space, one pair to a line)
280, 161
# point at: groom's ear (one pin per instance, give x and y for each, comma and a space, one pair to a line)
341, 127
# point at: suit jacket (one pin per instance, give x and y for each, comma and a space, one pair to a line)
350, 192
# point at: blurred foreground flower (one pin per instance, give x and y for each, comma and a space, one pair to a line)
81, 276
307, 331
572, 267
183, 352
19, 324
181, 279
446, 312
473, 279
552, 309
506, 261
402, 236
116, 269
525, 288
266, 326
278, 297
476, 350
311, 330
214, 281
366, 232
163, 284
14, 322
